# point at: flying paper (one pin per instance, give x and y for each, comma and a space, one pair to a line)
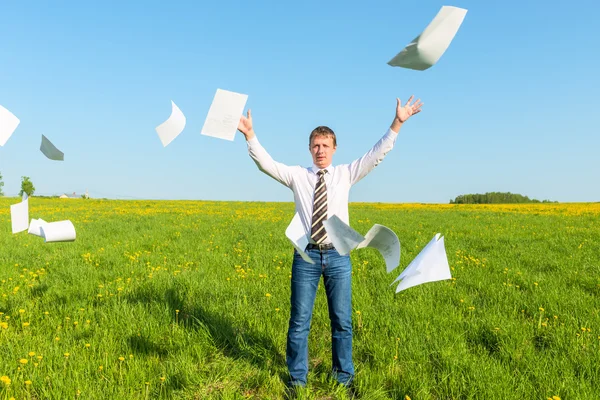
343, 237
35, 227
295, 232
224, 114
172, 127
430, 265
19, 215
427, 48
379, 237
60, 231
386, 242
50, 150
8, 124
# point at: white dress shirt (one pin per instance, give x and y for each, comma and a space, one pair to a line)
338, 179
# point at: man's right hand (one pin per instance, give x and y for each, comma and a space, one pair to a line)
245, 126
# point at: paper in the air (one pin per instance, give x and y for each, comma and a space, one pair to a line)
50, 150
430, 265
386, 242
35, 227
19, 215
60, 231
295, 233
342, 236
172, 127
379, 237
427, 48
8, 124
224, 114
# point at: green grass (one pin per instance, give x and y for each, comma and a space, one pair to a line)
194, 296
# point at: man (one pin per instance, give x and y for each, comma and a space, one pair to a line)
320, 192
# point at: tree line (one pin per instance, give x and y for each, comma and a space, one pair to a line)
495, 198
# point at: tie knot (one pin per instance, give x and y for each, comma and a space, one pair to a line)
322, 172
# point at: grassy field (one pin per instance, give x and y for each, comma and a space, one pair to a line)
190, 300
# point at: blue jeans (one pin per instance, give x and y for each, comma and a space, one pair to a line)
337, 276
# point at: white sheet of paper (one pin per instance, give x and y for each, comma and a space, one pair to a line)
224, 114
427, 48
8, 124
430, 265
299, 238
343, 237
50, 150
386, 242
60, 231
19, 215
35, 227
172, 127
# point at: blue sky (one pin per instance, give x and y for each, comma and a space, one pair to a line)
511, 106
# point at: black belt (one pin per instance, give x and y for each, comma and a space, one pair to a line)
321, 247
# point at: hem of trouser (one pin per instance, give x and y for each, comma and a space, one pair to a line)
296, 383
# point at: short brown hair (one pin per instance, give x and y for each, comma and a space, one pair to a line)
322, 131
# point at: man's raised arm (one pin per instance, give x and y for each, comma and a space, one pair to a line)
361, 167
278, 171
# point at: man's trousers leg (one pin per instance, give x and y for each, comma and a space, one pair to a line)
305, 281
337, 274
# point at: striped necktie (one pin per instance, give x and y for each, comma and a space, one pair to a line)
318, 233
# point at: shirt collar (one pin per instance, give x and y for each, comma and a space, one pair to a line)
316, 169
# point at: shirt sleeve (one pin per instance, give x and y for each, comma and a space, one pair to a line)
359, 168
280, 172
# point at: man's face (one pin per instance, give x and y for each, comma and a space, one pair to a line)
322, 149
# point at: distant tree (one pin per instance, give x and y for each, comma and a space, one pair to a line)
494, 198
26, 186
1, 184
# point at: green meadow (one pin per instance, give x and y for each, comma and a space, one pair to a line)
190, 300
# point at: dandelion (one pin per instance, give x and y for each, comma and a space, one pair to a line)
100, 368
25, 324
541, 309
268, 294
162, 378
121, 358
4, 325
5, 379
87, 345
31, 354
67, 355
277, 309
57, 338
23, 361
21, 311
39, 357
28, 383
